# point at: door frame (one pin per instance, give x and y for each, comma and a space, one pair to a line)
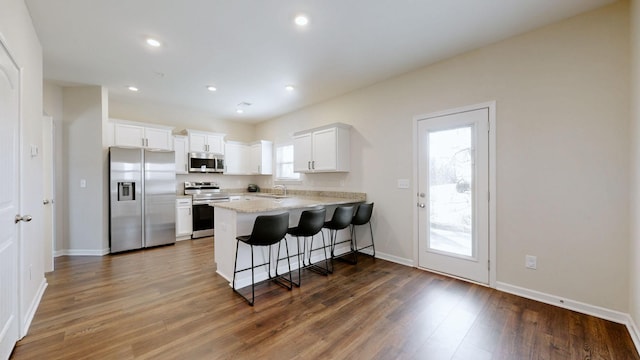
49, 156
19, 260
491, 106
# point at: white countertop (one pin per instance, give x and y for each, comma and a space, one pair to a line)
253, 204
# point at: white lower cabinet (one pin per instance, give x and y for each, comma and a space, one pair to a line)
184, 218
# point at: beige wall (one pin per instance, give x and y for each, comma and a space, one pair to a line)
635, 166
85, 208
18, 34
562, 151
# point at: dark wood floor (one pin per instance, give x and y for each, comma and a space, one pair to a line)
168, 303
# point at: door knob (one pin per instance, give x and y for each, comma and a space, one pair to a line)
25, 218
422, 205
45, 201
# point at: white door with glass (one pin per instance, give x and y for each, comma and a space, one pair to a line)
9, 201
453, 194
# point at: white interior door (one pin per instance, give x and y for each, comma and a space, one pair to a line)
453, 189
9, 201
48, 184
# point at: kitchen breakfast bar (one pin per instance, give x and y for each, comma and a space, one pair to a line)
236, 218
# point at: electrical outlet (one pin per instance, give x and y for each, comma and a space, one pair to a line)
531, 262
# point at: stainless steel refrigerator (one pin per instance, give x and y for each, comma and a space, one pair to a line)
142, 198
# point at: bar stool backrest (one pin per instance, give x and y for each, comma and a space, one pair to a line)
311, 221
363, 214
269, 229
341, 217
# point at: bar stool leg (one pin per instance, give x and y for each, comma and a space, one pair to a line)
253, 280
233, 282
235, 266
373, 243
300, 264
326, 261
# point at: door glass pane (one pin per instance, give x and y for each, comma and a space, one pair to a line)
450, 191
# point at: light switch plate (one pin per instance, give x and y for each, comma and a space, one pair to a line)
403, 183
83, 183
531, 262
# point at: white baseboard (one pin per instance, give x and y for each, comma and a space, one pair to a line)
597, 311
634, 332
31, 312
81, 252
392, 258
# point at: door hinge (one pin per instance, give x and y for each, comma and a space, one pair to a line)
488, 264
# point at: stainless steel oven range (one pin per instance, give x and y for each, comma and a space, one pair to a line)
203, 194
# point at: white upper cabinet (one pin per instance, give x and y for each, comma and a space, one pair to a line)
236, 159
181, 148
248, 159
200, 141
158, 138
324, 149
127, 133
261, 158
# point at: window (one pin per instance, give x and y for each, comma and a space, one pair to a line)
284, 163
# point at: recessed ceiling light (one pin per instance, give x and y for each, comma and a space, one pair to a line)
301, 20
289, 88
153, 42
211, 88
133, 88
239, 111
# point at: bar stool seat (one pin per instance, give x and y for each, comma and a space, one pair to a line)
267, 230
310, 223
341, 219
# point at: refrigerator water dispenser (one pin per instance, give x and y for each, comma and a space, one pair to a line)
126, 191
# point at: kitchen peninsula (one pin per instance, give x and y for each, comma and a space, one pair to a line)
236, 218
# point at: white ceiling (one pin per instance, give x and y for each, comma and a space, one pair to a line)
251, 49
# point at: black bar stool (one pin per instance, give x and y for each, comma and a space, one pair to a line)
341, 219
267, 230
310, 223
362, 217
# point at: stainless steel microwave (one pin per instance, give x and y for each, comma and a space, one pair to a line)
205, 163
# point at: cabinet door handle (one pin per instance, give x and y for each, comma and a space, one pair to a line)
189, 211
313, 165
142, 142
309, 165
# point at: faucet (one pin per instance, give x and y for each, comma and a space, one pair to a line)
284, 189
